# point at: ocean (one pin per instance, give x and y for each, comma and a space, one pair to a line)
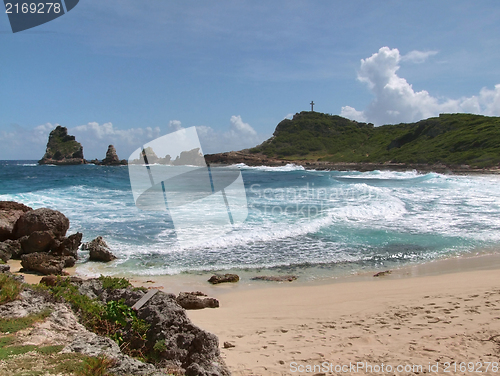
314, 224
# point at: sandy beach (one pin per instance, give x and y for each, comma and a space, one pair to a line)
441, 317
417, 317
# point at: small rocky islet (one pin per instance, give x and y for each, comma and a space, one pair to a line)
63, 149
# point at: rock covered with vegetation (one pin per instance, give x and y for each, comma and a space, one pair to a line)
62, 149
87, 327
315, 139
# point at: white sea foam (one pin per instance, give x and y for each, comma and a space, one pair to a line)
288, 167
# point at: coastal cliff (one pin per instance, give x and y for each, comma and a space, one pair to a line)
62, 149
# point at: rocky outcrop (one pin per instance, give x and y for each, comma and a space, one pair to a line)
184, 344
62, 328
62, 149
111, 158
38, 238
10, 212
196, 300
43, 219
218, 278
99, 250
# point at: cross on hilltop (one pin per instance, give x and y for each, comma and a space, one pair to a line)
312, 106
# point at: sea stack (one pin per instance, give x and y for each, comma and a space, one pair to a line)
62, 149
111, 158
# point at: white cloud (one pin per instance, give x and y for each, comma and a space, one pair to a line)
418, 56
395, 100
174, 125
21, 143
96, 137
238, 127
240, 135
353, 114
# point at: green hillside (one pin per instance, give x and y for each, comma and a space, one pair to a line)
452, 139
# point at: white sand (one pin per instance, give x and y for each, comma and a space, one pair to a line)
432, 319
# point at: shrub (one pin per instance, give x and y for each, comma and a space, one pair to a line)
114, 283
96, 366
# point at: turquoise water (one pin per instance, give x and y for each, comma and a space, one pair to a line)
299, 221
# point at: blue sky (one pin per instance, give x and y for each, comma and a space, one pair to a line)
125, 72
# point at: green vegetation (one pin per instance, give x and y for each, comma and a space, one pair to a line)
114, 283
115, 319
9, 288
14, 325
61, 145
452, 139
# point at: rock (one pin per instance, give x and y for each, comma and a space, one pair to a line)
43, 219
186, 345
99, 250
49, 280
112, 158
10, 249
45, 263
30, 302
228, 345
196, 300
38, 241
92, 344
380, 274
62, 149
281, 278
4, 268
68, 246
10, 212
217, 278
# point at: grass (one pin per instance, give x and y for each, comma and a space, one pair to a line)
452, 139
9, 288
13, 325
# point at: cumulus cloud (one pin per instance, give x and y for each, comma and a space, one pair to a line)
395, 100
96, 137
240, 135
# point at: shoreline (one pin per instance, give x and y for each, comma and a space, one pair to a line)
485, 259
449, 313
255, 160
436, 313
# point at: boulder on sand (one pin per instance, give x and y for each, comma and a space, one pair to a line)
219, 278
45, 263
196, 300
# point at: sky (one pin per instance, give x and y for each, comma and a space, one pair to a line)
125, 72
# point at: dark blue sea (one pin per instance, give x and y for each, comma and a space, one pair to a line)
314, 223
